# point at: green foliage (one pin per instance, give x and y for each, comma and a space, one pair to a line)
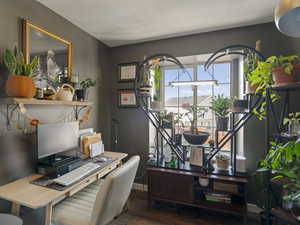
221, 105
284, 160
15, 63
287, 62
157, 80
261, 77
87, 83
250, 63
264, 198
292, 117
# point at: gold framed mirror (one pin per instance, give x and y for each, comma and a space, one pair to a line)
55, 53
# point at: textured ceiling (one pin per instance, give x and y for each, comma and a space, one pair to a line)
121, 22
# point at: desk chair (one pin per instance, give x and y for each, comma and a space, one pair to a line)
7, 219
100, 202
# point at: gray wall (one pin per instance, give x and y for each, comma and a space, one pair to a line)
133, 126
89, 60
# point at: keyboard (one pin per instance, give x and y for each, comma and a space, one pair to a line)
77, 174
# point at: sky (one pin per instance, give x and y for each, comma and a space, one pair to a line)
221, 73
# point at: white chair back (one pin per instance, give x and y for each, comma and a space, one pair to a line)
7, 219
114, 192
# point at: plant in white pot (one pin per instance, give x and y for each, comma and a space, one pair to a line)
220, 105
292, 121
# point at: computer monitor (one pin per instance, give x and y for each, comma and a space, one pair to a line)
56, 138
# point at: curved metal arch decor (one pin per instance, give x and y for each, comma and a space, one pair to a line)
226, 51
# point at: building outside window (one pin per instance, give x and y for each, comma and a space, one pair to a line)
175, 99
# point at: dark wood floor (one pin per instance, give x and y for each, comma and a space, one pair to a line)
169, 215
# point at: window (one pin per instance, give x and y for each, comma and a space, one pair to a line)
175, 98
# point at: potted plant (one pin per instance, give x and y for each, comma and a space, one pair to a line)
82, 93
220, 105
155, 104
261, 77
293, 123
195, 137
20, 82
222, 161
283, 161
284, 68
250, 63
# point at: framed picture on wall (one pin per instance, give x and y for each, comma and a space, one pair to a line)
127, 98
127, 72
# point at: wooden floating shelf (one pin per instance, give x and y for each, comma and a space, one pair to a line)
33, 101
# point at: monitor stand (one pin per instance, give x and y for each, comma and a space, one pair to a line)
57, 160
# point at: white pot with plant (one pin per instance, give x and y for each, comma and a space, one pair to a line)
220, 105
82, 92
293, 124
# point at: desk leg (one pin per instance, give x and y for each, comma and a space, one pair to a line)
15, 209
48, 214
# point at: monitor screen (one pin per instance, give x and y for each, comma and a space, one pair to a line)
55, 138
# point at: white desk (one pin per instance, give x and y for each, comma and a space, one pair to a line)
23, 193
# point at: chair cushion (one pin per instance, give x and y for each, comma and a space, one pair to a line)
77, 210
10, 219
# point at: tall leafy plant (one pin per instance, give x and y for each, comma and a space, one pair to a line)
157, 80
284, 161
220, 105
262, 78
15, 63
193, 113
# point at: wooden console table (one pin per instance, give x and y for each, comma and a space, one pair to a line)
182, 187
23, 193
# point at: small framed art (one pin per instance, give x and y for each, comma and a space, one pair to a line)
127, 98
127, 72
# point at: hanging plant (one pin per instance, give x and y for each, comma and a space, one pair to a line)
157, 81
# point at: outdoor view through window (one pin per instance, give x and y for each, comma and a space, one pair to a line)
176, 99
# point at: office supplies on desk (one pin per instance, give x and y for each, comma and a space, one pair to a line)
96, 149
88, 140
76, 174
48, 181
23, 192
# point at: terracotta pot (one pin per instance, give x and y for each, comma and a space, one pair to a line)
250, 89
20, 86
281, 77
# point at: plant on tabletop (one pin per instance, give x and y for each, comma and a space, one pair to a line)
82, 92
20, 82
220, 105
